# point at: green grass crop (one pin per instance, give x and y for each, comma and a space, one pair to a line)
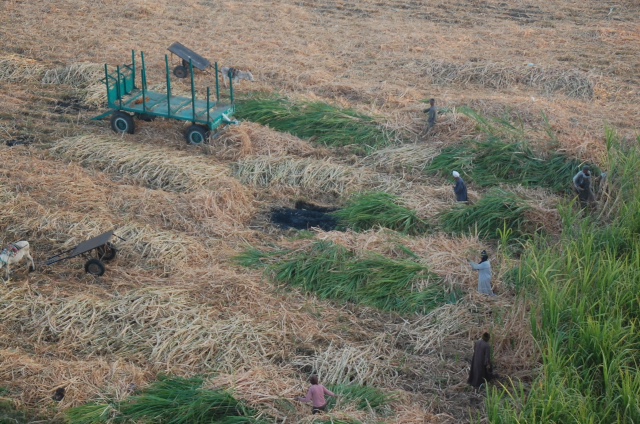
491, 162
505, 157
363, 397
493, 213
379, 209
333, 272
586, 316
315, 121
170, 401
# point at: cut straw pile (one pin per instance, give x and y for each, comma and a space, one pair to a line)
160, 328
14, 68
309, 175
85, 77
152, 166
410, 157
250, 139
571, 83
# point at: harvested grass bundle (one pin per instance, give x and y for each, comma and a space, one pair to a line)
333, 272
86, 77
249, 139
166, 250
171, 400
549, 81
316, 121
14, 68
158, 329
410, 157
311, 175
374, 209
149, 165
498, 211
428, 334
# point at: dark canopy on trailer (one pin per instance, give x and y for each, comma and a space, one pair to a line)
91, 244
187, 54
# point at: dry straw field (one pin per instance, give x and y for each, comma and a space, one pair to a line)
175, 301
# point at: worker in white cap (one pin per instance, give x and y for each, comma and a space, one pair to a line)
460, 189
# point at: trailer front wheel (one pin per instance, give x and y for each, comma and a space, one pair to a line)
122, 123
94, 267
196, 134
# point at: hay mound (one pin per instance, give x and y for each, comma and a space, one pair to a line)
310, 175
250, 138
571, 83
14, 68
409, 157
149, 165
84, 76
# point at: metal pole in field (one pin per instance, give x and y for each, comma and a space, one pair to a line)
144, 83
166, 64
231, 87
217, 85
119, 88
106, 81
208, 105
193, 91
133, 67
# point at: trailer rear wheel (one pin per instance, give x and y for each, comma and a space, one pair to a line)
181, 71
94, 267
122, 122
197, 134
107, 252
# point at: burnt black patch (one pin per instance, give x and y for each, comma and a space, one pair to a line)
305, 216
71, 105
21, 140
302, 219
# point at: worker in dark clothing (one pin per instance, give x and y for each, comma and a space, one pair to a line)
582, 185
481, 368
460, 189
433, 113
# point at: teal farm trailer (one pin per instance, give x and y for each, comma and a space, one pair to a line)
127, 97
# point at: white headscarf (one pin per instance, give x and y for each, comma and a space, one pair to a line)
456, 174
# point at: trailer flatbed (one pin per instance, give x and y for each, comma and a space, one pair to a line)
127, 97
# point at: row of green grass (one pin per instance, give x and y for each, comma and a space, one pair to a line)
331, 271
169, 400
504, 156
378, 209
316, 121
496, 211
586, 316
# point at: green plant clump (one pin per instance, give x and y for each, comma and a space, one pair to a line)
170, 401
363, 397
586, 313
332, 271
316, 121
496, 211
375, 209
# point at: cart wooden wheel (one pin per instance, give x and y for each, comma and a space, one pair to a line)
122, 123
107, 252
94, 267
197, 134
180, 71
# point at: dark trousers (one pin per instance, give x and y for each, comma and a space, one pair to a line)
318, 409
